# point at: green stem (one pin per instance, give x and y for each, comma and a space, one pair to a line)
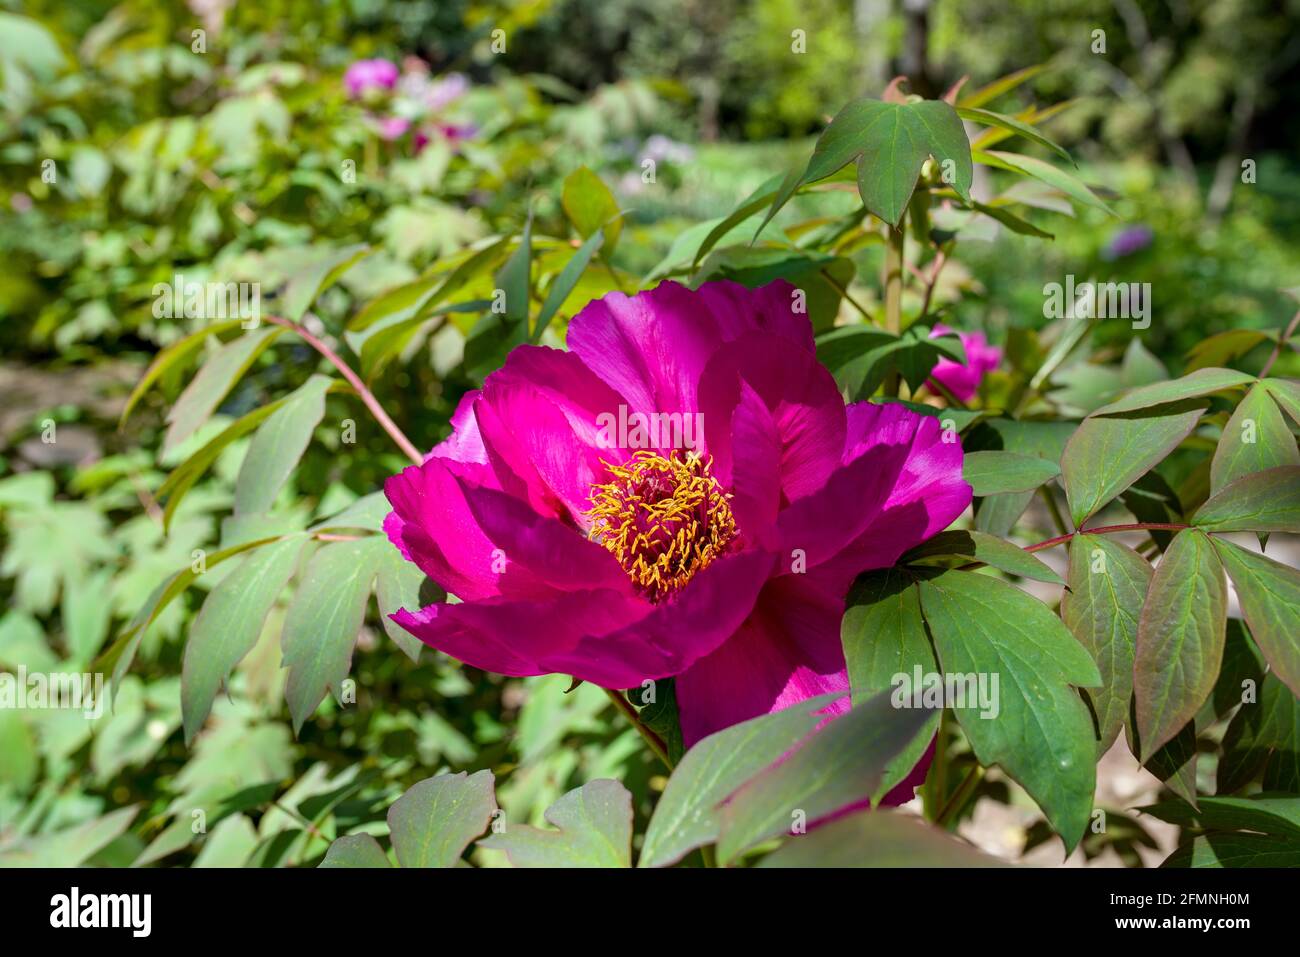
655, 742
1057, 518
959, 797
354, 380
893, 282
1107, 530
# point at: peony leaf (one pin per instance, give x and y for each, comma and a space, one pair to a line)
1041, 733
839, 765
685, 817
324, 618
884, 636
1107, 454
1107, 585
1179, 640
278, 444
355, 850
1266, 501
436, 819
878, 839
215, 378
229, 624
1269, 593
594, 830
989, 473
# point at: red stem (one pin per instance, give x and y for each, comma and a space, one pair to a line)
1107, 529
354, 380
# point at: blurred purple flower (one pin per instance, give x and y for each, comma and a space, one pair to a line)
963, 381
1127, 241
445, 91
366, 75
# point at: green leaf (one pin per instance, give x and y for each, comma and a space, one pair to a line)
1269, 593
173, 357
988, 473
959, 547
748, 207
1266, 814
305, 287
1179, 640
685, 817
878, 839
1107, 454
182, 478
1107, 585
229, 624
321, 625
1224, 347
883, 636
389, 339
515, 278
1174, 762
1266, 501
1013, 125
277, 446
590, 206
895, 142
1264, 735
436, 819
839, 765
990, 92
595, 830
121, 653
401, 584
1042, 734
355, 850
215, 378
566, 281
1011, 221
1194, 385
1286, 393
419, 297
1235, 850
70, 847
1046, 172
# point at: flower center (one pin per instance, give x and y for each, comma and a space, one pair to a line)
664, 519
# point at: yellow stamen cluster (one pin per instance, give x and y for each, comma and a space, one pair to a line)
664, 519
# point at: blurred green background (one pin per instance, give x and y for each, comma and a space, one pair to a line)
218, 140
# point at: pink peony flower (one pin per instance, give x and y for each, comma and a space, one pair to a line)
963, 381
684, 493
392, 127
366, 75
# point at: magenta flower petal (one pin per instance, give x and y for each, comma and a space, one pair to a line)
652, 347
465, 444
779, 657
432, 525
538, 554
541, 416
676, 634
963, 381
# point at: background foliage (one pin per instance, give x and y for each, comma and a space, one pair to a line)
161, 539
